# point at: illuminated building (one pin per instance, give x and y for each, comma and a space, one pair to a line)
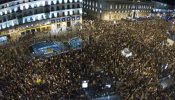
117, 9
16, 15
160, 7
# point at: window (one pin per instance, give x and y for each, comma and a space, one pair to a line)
36, 11
58, 8
68, 13
52, 16
52, 8
73, 6
78, 5
63, 8
52, 3
70, 1
60, 1
78, 12
4, 19
65, 1
58, 15
68, 6
110, 6
30, 12
31, 19
13, 16
47, 9
100, 5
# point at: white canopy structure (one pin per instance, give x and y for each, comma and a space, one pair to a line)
126, 52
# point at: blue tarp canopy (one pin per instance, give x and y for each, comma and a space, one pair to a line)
47, 47
75, 43
166, 82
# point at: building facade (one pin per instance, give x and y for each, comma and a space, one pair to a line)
160, 7
117, 9
17, 15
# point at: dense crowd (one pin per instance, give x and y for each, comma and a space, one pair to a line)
60, 77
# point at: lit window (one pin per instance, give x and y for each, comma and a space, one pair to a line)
55, 14
54, 2
38, 4
65, 13
43, 3
7, 25
71, 12
110, 6
21, 7
15, 9
28, 19
60, 1
5, 11
3, 26
100, 5
32, 5
39, 17
33, 18
65, 1
23, 20
81, 11
49, 2
10, 11
27, 6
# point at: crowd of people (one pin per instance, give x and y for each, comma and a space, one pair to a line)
60, 77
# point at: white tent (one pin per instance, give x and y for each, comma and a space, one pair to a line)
170, 42
85, 84
126, 52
